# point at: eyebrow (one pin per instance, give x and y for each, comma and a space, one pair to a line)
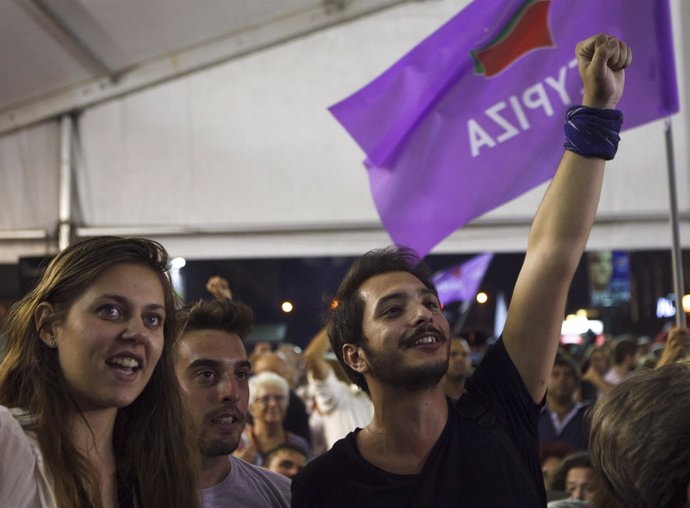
401, 294
208, 362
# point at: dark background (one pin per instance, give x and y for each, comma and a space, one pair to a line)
264, 284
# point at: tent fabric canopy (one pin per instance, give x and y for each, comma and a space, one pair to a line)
241, 158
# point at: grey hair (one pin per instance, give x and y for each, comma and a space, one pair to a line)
264, 380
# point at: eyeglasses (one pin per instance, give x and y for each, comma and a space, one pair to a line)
264, 400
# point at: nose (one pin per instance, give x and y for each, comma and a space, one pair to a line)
271, 401
227, 390
578, 493
136, 331
422, 314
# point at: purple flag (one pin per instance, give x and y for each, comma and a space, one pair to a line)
472, 117
460, 283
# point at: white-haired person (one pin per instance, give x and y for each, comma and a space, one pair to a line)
268, 403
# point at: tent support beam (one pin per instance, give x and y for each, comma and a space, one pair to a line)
184, 62
65, 183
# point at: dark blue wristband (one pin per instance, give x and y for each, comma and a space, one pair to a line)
593, 132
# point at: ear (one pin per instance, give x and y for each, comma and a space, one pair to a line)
355, 358
45, 323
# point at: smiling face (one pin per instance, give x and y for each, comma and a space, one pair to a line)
406, 335
213, 371
270, 405
111, 338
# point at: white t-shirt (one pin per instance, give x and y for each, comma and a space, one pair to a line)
248, 486
24, 480
343, 407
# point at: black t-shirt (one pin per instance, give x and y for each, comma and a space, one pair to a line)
468, 466
296, 419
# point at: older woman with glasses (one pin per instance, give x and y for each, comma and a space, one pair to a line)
268, 402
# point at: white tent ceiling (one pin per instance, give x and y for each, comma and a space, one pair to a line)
203, 123
61, 54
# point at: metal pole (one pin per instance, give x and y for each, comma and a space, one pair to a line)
676, 252
65, 195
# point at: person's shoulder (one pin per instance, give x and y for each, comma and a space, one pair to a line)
5, 415
13, 421
583, 407
338, 458
250, 486
259, 473
321, 480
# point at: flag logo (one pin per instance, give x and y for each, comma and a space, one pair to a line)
526, 31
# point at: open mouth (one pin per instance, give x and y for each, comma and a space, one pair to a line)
425, 340
424, 337
224, 420
126, 364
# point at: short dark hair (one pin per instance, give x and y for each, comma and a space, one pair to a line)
565, 361
639, 439
284, 446
579, 459
220, 314
622, 350
346, 311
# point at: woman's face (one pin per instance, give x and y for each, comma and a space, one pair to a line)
111, 338
270, 405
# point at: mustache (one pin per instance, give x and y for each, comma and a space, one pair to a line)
421, 330
226, 410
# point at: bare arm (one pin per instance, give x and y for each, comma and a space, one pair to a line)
561, 227
219, 287
595, 378
314, 355
677, 347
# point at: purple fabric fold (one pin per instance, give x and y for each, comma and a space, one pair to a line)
472, 117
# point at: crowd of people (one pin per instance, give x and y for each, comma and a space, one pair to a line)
567, 422
113, 395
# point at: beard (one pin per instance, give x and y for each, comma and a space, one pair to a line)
210, 447
385, 366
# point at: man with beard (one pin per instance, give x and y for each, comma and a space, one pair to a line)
387, 329
212, 367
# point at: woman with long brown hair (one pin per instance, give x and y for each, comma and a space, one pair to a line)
90, 412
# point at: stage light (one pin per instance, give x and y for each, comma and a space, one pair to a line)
286, 307
177, 263
686, 303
